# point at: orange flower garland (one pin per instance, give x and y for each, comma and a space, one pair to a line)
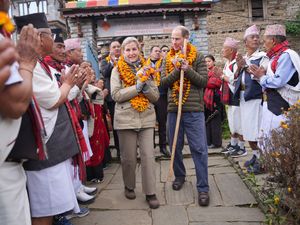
191, 57
108, 59
150, 71
6, 23
140, 102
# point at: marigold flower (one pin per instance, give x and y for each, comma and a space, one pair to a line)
276, 200
275, 154
6, 23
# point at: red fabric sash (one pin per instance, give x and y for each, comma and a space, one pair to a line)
54, 63
276, 52
225, 97
78, 159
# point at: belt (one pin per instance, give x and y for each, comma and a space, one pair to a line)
265, 98
13, 160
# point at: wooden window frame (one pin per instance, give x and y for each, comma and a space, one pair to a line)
264, 11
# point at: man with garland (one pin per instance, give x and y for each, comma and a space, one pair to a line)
192, 118
161, 105
106, 67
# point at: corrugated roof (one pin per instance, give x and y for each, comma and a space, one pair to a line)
137, 9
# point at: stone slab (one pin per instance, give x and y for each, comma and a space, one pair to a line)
224, 223
104, 184
224, 214
183, 197
221, 170
112, 168
214, 194
175, 215
217, 161
117, 176
233, 190
124, 217
113, 197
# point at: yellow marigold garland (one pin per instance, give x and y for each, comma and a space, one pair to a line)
140, 102
108, 59
190, 57
151, 71
6, 23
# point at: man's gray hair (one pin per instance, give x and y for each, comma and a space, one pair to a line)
184, 31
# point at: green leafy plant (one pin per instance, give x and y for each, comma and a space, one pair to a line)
293, 27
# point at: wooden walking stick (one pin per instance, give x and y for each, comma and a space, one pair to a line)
171, 172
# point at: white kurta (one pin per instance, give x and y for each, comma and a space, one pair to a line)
50, 190
251, 110
233, 114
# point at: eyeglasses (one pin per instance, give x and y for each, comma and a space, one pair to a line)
51, 34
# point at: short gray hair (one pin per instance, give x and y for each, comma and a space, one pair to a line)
184, 31
129, 40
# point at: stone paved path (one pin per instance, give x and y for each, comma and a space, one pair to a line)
231, 201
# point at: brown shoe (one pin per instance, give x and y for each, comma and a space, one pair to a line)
129, 193
203, 198
152, 201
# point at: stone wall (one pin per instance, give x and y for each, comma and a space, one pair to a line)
87, 30
230, 18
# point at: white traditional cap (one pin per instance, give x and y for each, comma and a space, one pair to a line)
253, 30
72, 43
276, 29
231, 42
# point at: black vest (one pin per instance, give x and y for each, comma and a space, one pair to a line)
61, 146
253, 89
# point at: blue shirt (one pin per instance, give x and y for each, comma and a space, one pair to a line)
284, 72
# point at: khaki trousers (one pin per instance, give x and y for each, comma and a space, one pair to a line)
129, 141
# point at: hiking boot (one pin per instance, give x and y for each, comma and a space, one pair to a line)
229, 148
178, 183
203, 198
83, 212
129, 193
152, 201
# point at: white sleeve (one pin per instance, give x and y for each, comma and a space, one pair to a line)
45, 89
15, 76
74, 92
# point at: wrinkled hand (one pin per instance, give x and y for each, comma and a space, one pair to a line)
8, 55
27, 47
71, 77
100, 84
240, 61
82, 76
258, 72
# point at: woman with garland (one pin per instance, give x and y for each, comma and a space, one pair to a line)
133, 87
213, 105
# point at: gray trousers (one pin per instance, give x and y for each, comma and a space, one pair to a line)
128, 142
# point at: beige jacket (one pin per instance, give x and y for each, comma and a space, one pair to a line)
125, 116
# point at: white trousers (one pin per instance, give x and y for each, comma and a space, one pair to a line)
269, 122
234, 119
251, 113
13, 195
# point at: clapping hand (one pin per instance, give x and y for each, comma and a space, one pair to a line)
240, 61
27, 47
258, 72
71, 77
